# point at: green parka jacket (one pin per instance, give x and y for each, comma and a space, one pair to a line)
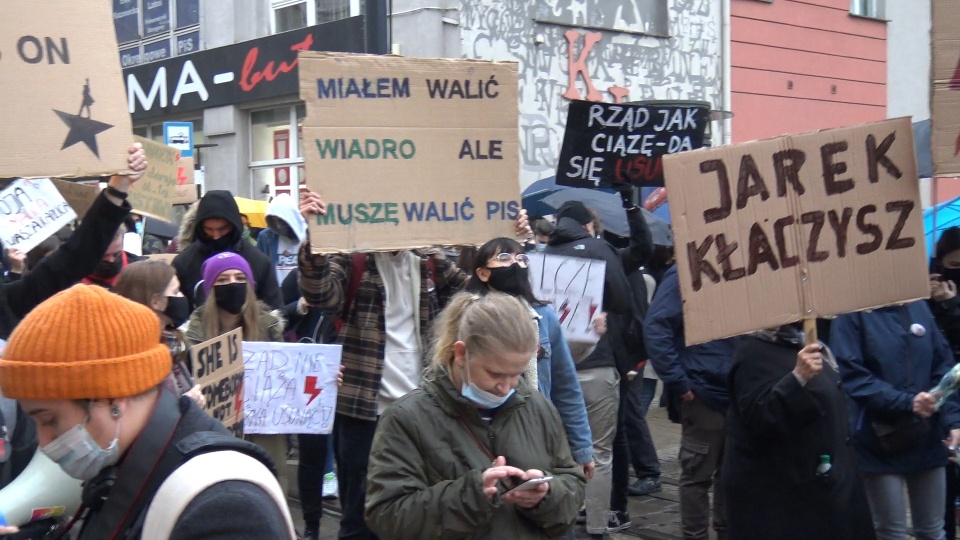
424, 474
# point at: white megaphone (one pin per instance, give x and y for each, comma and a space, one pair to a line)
41, 491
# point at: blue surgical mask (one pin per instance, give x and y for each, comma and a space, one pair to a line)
541, 246
480, 397
79, 455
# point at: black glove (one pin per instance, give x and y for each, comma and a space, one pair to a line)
625, 189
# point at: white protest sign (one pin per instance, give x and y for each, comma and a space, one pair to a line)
574, 287
31, 210
290, 387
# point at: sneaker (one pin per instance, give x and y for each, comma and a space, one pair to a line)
644, 486
582, 515
330, 487
618, 521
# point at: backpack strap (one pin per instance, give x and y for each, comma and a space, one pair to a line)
200, 473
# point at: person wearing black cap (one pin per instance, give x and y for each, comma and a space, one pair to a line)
218, 228
600, 365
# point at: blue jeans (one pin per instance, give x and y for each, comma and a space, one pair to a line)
927, 491
353, 439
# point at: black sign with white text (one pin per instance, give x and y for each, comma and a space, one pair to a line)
248, 71
606, 144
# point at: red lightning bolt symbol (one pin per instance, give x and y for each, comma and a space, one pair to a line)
310, 388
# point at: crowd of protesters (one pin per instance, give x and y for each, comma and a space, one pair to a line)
463, 411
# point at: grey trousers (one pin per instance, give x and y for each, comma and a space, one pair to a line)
601, 392
701, 453
927, 493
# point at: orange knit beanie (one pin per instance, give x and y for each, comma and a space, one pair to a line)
84, 343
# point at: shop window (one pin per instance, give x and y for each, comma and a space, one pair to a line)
290, 17
277, 165
875, 9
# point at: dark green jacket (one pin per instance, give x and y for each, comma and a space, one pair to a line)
424, 472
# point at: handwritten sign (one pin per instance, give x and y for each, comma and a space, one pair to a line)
606, 144
945, 87
410, 152
218, 369
80, 196
574, 287
65, 114
153, 194
291, 387
30, 211
810, 225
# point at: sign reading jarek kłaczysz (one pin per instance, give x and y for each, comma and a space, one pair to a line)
607, 144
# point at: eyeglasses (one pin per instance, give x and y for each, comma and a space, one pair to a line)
510, 258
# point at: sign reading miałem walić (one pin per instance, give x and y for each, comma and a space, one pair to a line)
811, 225
410, 152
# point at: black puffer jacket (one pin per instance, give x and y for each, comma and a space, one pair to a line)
571, 240
220, 204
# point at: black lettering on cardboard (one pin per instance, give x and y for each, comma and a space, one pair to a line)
787, 165
816, 218
699, 264
760, 250
831, 169
786, 260
745, 190
870, 229
724, 251
895, 242
840, 225
877, 155
723, 211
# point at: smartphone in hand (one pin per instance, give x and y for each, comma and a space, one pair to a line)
530, 484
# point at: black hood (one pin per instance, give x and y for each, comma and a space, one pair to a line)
218, 204
567, 230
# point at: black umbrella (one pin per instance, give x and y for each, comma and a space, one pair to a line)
612, 216
160, 228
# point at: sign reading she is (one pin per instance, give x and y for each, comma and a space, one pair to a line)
410, 152
30, 211
800, 226
606, 144
574, 287
218, 369
291, 387
64, 114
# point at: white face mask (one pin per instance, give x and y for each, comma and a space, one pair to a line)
79, 455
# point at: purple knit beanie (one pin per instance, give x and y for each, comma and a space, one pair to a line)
216, 265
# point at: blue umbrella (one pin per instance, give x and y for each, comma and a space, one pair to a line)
533, 196
948, 215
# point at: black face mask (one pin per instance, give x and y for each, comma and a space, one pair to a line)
178, 310
107, 269
219, 245
283, 229
950, 274
509, 279
231, 297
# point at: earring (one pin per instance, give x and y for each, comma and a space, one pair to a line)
115, 411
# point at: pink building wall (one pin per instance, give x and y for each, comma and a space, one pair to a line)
804, 65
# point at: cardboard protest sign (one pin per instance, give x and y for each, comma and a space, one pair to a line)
162, 257
31, 210
218, 369
410, 152
291, 387
800, 226
945, 88
153, 194
60, 77
574, 287
606, 144
79, 196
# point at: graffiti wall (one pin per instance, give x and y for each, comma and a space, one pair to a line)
559, 62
